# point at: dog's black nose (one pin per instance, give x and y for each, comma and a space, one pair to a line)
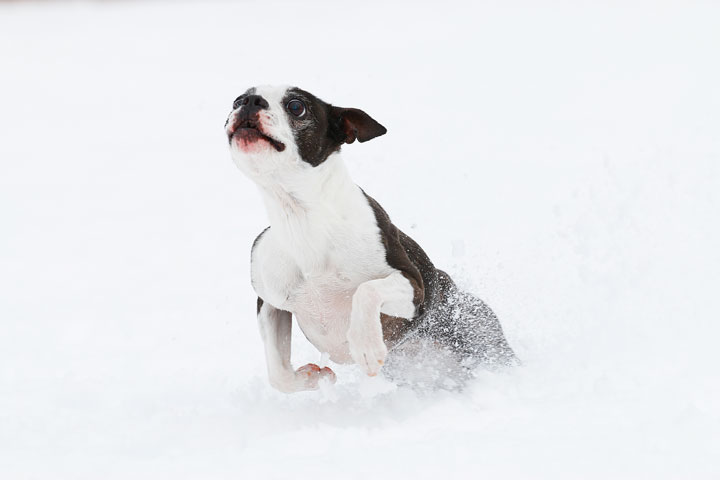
254, 102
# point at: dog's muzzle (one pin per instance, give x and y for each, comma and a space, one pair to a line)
250, 130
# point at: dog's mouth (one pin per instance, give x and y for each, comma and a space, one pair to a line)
249, 131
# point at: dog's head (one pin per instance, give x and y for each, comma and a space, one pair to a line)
280, 130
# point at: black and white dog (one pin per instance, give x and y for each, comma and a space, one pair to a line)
358, 287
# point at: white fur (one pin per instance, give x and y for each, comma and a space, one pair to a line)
388, 295
266, 165
322, 259
275, 330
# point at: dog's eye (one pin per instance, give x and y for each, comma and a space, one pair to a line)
238, 101
296, 107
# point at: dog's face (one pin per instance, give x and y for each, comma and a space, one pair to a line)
275, 132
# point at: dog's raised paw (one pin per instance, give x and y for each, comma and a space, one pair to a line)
370, 355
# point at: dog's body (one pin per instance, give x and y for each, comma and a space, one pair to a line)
357, 286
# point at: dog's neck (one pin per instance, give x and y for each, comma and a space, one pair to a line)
308, 212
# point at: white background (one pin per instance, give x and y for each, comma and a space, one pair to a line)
563, 162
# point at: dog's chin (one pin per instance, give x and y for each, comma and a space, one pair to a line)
252, 140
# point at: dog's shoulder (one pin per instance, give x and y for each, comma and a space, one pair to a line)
257, 239
257, 246
269, 269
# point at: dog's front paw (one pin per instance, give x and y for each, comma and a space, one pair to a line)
368, 350
311, 374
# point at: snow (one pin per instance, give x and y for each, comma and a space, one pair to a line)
562, 162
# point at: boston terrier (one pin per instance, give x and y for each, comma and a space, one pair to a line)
359, 288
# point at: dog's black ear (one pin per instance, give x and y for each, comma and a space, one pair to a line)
356, 124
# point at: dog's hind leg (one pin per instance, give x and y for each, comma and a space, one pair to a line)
468, 327
483, 339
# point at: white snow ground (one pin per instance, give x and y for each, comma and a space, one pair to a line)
563, 162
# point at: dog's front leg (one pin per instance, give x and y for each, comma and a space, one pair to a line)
276, 332
392, 295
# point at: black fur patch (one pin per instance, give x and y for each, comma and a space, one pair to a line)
324, 128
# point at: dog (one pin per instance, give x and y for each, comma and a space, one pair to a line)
359, 288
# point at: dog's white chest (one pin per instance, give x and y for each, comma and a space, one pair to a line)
322, 305
312, 260
320, 298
